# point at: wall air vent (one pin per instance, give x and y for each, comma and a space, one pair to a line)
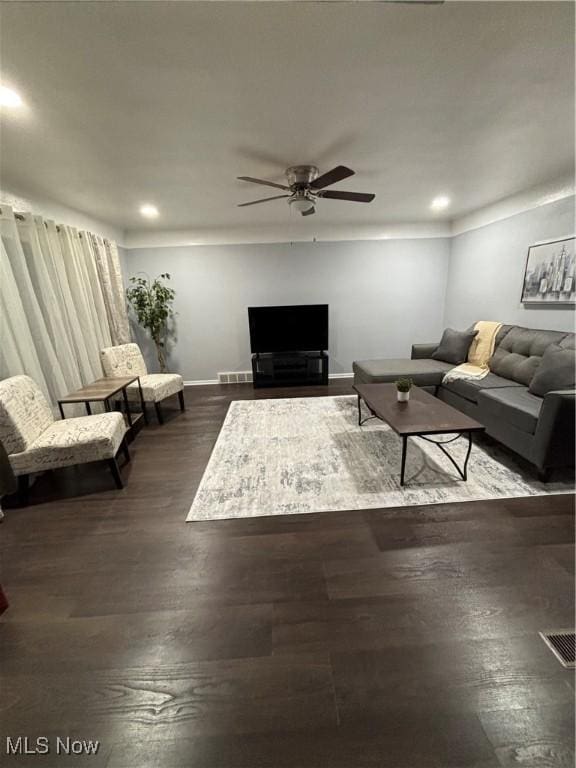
235, 377
561, 643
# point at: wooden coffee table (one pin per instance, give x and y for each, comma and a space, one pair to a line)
423, 415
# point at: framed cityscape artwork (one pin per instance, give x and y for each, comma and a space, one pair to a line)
550, 273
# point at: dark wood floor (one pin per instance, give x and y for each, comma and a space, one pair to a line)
402, 638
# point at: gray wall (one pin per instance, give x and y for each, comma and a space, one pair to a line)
383, 296
487, 269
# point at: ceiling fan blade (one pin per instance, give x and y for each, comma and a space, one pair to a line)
261, 181
354, 197
331, 177
309, 212
264, 200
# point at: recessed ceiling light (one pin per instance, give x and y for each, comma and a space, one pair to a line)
149, 211
9, 98
439, 203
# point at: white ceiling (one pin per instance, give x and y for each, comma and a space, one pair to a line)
131, 102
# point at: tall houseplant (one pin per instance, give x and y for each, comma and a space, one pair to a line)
152, 304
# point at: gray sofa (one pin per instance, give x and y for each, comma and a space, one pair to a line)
541, 429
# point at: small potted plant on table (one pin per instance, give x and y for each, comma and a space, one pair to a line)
403, 387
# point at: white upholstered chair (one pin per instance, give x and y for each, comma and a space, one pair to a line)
127, 360
36, 442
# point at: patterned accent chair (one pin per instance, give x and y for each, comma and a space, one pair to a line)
36, 442
127, 360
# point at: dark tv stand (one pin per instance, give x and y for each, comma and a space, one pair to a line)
289, 369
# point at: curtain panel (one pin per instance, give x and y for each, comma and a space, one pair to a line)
61, 301
108, 265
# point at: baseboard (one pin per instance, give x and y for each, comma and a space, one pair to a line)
203, 382
200, 382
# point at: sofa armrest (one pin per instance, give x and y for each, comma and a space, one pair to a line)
421, 351
554, 436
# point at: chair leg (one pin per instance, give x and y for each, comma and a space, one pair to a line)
23, 487
159, 413
544, 475
125, 451
181, 399
113, 464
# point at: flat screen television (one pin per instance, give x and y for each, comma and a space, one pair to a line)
300, 328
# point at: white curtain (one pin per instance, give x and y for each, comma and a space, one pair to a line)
107, 261
56, 310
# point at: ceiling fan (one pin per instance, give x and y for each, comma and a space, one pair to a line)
305, 186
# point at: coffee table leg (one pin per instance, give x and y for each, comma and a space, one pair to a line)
441, 445
403, 464
61, 409
465, 473
88, 408
362, 421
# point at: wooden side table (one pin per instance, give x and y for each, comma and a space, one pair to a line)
102, 391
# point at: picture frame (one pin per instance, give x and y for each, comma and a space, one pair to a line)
550, 273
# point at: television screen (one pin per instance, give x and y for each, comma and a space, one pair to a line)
301, 328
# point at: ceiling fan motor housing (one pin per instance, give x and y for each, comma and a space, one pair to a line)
301, 175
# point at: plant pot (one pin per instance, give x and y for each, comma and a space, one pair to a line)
402, 397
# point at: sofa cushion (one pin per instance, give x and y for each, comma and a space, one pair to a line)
518, 354
454, 346
424, 373
556, 371
156, 387
568, 342
514, 405
72, 441
469, 388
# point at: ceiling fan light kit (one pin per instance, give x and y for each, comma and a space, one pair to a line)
301, 204
306, 185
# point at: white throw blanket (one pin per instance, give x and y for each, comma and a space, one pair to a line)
480, 352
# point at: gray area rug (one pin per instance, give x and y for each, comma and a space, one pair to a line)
298, 455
